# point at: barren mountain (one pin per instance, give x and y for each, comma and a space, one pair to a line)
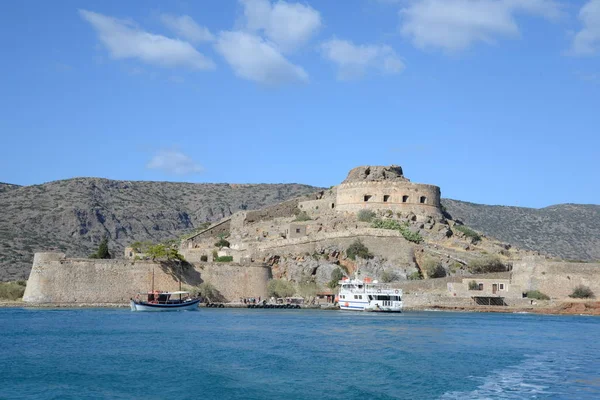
72, 216
569, 231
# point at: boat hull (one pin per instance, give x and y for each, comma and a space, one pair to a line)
186, 306
372, 307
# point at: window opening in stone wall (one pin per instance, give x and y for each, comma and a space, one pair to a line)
332, 205
297, 230
481, 286
367, 197
423, 200
404, 199
502, 286
386, 198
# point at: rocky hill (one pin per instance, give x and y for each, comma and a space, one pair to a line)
4, 187
73, 215
569, 231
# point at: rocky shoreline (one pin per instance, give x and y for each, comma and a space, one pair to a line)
563, 308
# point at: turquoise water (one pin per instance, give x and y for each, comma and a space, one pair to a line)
296, 354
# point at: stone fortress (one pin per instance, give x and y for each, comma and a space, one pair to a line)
304, 240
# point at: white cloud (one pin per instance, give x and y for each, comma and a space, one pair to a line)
454, 25
125, 40
255, 59
353, 60
174, 162
587, 40
288, 25
185, 27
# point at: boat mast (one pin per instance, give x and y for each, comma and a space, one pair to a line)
153, 279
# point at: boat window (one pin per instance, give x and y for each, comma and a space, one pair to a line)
360, 286
355, 297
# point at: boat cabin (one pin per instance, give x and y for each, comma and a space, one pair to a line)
157, 297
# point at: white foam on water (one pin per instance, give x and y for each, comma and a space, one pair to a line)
538, 376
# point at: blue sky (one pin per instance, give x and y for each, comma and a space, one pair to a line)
495, 101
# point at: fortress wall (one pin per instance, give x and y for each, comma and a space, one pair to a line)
237, 220
235, 281
389, 244
285, 209
555, 278
56, 279
351, 197
221, 228
316, 207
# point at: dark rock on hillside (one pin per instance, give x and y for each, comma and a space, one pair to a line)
73, 215
4, 187
569, 231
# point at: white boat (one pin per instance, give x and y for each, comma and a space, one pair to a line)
165, 301
366, 295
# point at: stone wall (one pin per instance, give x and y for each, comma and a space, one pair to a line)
509, 290
285, 209
223, 227
556, 279
386, 195
317, 207
56, 279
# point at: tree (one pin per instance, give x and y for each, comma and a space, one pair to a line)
358, 249
102, 252
336, 276
389, 276
280, 288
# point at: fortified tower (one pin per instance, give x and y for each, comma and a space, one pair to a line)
386, 188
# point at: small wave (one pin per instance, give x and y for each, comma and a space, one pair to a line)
535, 377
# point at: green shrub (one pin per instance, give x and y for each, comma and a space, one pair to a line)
365, 215
414, 237
387, 224
392, 224
486, 265
415, 276
208, 291
140, 247
470, 233
336, 276
389, 276
433, 268
473, 285
222, 243
12, 290
536, 294
280, 288
224, 259
358, 249
302, 216
308, 289
582, 292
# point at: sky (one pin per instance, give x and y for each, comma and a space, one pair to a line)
495, 101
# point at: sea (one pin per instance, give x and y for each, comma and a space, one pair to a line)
296, 354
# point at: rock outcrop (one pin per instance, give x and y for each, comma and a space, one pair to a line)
365, 173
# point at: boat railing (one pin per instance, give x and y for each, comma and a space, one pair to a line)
373, 290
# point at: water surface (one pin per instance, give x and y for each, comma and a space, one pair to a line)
296, 354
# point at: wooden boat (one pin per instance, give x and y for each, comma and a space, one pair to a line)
165, 301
